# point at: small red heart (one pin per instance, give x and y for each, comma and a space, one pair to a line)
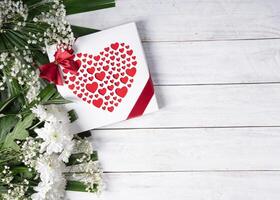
131, 72
112, 57
116, 76
102, 91
107, 97
106, 67
134, 63
71, 87
98, 103
92, 87
124, 79
130, 52
110, 87
89, 62
115, 46
100, 76
107, 49
79, 55
121, 50
97, 58
121, 92
91, 70
72, 78
110, 109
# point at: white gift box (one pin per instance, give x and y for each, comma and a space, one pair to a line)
113, 82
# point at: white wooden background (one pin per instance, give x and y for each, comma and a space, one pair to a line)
216, 67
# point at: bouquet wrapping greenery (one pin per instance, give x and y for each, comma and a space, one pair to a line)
39, 156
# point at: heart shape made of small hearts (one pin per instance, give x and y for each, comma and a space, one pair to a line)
103, 80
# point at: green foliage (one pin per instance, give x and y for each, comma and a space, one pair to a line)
19, 133
81, 31
79, 6
6, 123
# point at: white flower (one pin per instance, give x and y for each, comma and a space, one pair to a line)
51, 113
50, 168
53, 182
47, 191
56, 138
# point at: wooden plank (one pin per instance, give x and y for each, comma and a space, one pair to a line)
181, 20
212, 106
247, 61
194, 186
188, 149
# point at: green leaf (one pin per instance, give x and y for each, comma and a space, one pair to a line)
5, 103
23, 171
75, 186
73, 158
18, 133
81, 31
47, 93
72, 115
6, 125
79, 6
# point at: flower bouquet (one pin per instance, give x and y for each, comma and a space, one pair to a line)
39, 156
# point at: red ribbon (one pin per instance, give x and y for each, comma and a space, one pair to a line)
143, 100
63, 59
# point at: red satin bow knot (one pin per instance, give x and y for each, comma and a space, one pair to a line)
63, 59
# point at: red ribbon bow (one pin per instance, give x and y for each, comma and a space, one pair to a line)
63, 59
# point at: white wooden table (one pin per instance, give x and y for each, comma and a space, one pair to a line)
216, 67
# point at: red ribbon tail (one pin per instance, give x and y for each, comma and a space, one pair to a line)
51, 73
143, 100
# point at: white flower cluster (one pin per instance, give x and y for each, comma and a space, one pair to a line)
53, 182
54, 150
18, 65
15, 191
9, 10
59, 31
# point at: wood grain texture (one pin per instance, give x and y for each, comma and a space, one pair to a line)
188, 149
195, 185
181, 20
216, 136
212, 106
247, 61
